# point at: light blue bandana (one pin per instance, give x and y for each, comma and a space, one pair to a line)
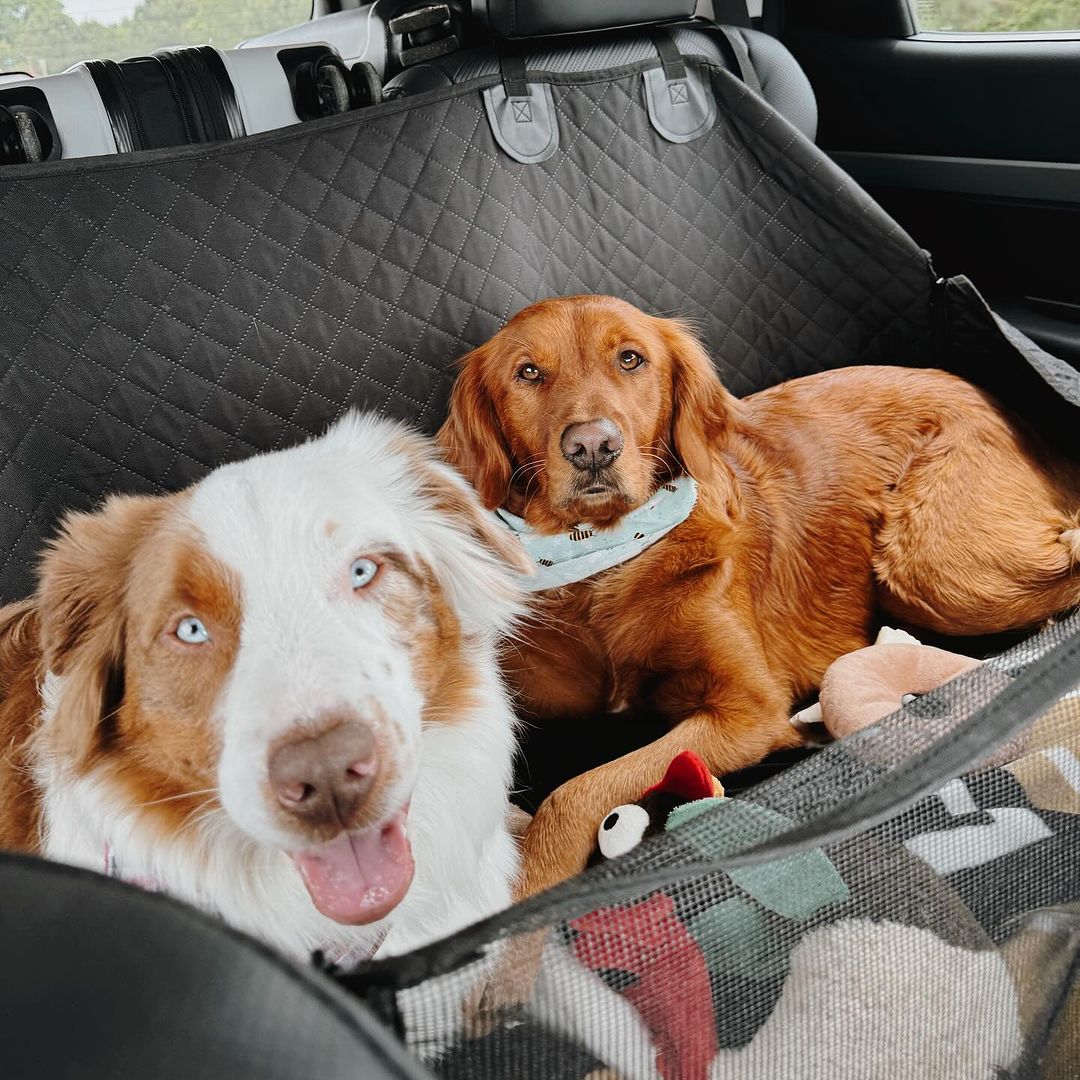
576, 555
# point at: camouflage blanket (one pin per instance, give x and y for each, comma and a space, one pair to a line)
934, 944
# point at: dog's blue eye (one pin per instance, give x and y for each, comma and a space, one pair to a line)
191, 631
362, 572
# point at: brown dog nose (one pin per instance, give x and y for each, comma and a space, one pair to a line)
324, 779
594, 444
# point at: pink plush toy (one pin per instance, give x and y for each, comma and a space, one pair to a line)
865, 686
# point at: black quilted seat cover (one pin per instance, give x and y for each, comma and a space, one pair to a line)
165, 312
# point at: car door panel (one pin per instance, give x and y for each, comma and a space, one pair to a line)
972, 144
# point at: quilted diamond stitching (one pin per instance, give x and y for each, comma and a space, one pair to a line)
582, 131
459, 256
217, 301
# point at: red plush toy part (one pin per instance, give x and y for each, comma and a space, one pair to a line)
671, 991
688, 778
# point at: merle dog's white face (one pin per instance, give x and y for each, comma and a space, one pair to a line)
286, 632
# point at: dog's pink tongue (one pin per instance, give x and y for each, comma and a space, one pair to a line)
359, 877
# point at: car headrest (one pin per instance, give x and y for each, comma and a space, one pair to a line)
542, 18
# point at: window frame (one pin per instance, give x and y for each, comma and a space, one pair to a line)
960, 37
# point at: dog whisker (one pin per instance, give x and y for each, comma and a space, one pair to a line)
530, 470
182, 795
534, 467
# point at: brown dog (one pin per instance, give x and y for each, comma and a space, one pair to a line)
822, 502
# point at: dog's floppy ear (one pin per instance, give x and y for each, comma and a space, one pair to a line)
702, 411
18, 642
451, 497
80, 603
20, 706
470, 552
472, 439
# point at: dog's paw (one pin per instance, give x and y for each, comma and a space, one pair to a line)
502, 997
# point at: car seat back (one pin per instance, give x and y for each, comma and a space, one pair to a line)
561, 37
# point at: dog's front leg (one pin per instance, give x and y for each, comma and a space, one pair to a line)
562, 834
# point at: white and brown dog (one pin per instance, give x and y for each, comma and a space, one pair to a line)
276, 695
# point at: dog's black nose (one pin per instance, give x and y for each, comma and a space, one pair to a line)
591, 445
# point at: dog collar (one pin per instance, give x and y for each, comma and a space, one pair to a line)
576, 555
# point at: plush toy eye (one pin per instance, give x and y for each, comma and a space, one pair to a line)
530, 373
628, 360
362, 572
191, 631
621, 831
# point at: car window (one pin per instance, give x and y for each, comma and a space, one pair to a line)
42, 37
997, 16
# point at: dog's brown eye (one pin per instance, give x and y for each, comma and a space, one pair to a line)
628, 360
529, 372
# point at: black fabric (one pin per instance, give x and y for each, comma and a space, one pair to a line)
165, 312
730, 12
527, 1051
513, 76
103, 981
671, 60
540, 18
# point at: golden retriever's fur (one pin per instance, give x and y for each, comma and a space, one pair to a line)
823, 502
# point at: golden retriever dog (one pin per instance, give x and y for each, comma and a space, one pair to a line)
823, 503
